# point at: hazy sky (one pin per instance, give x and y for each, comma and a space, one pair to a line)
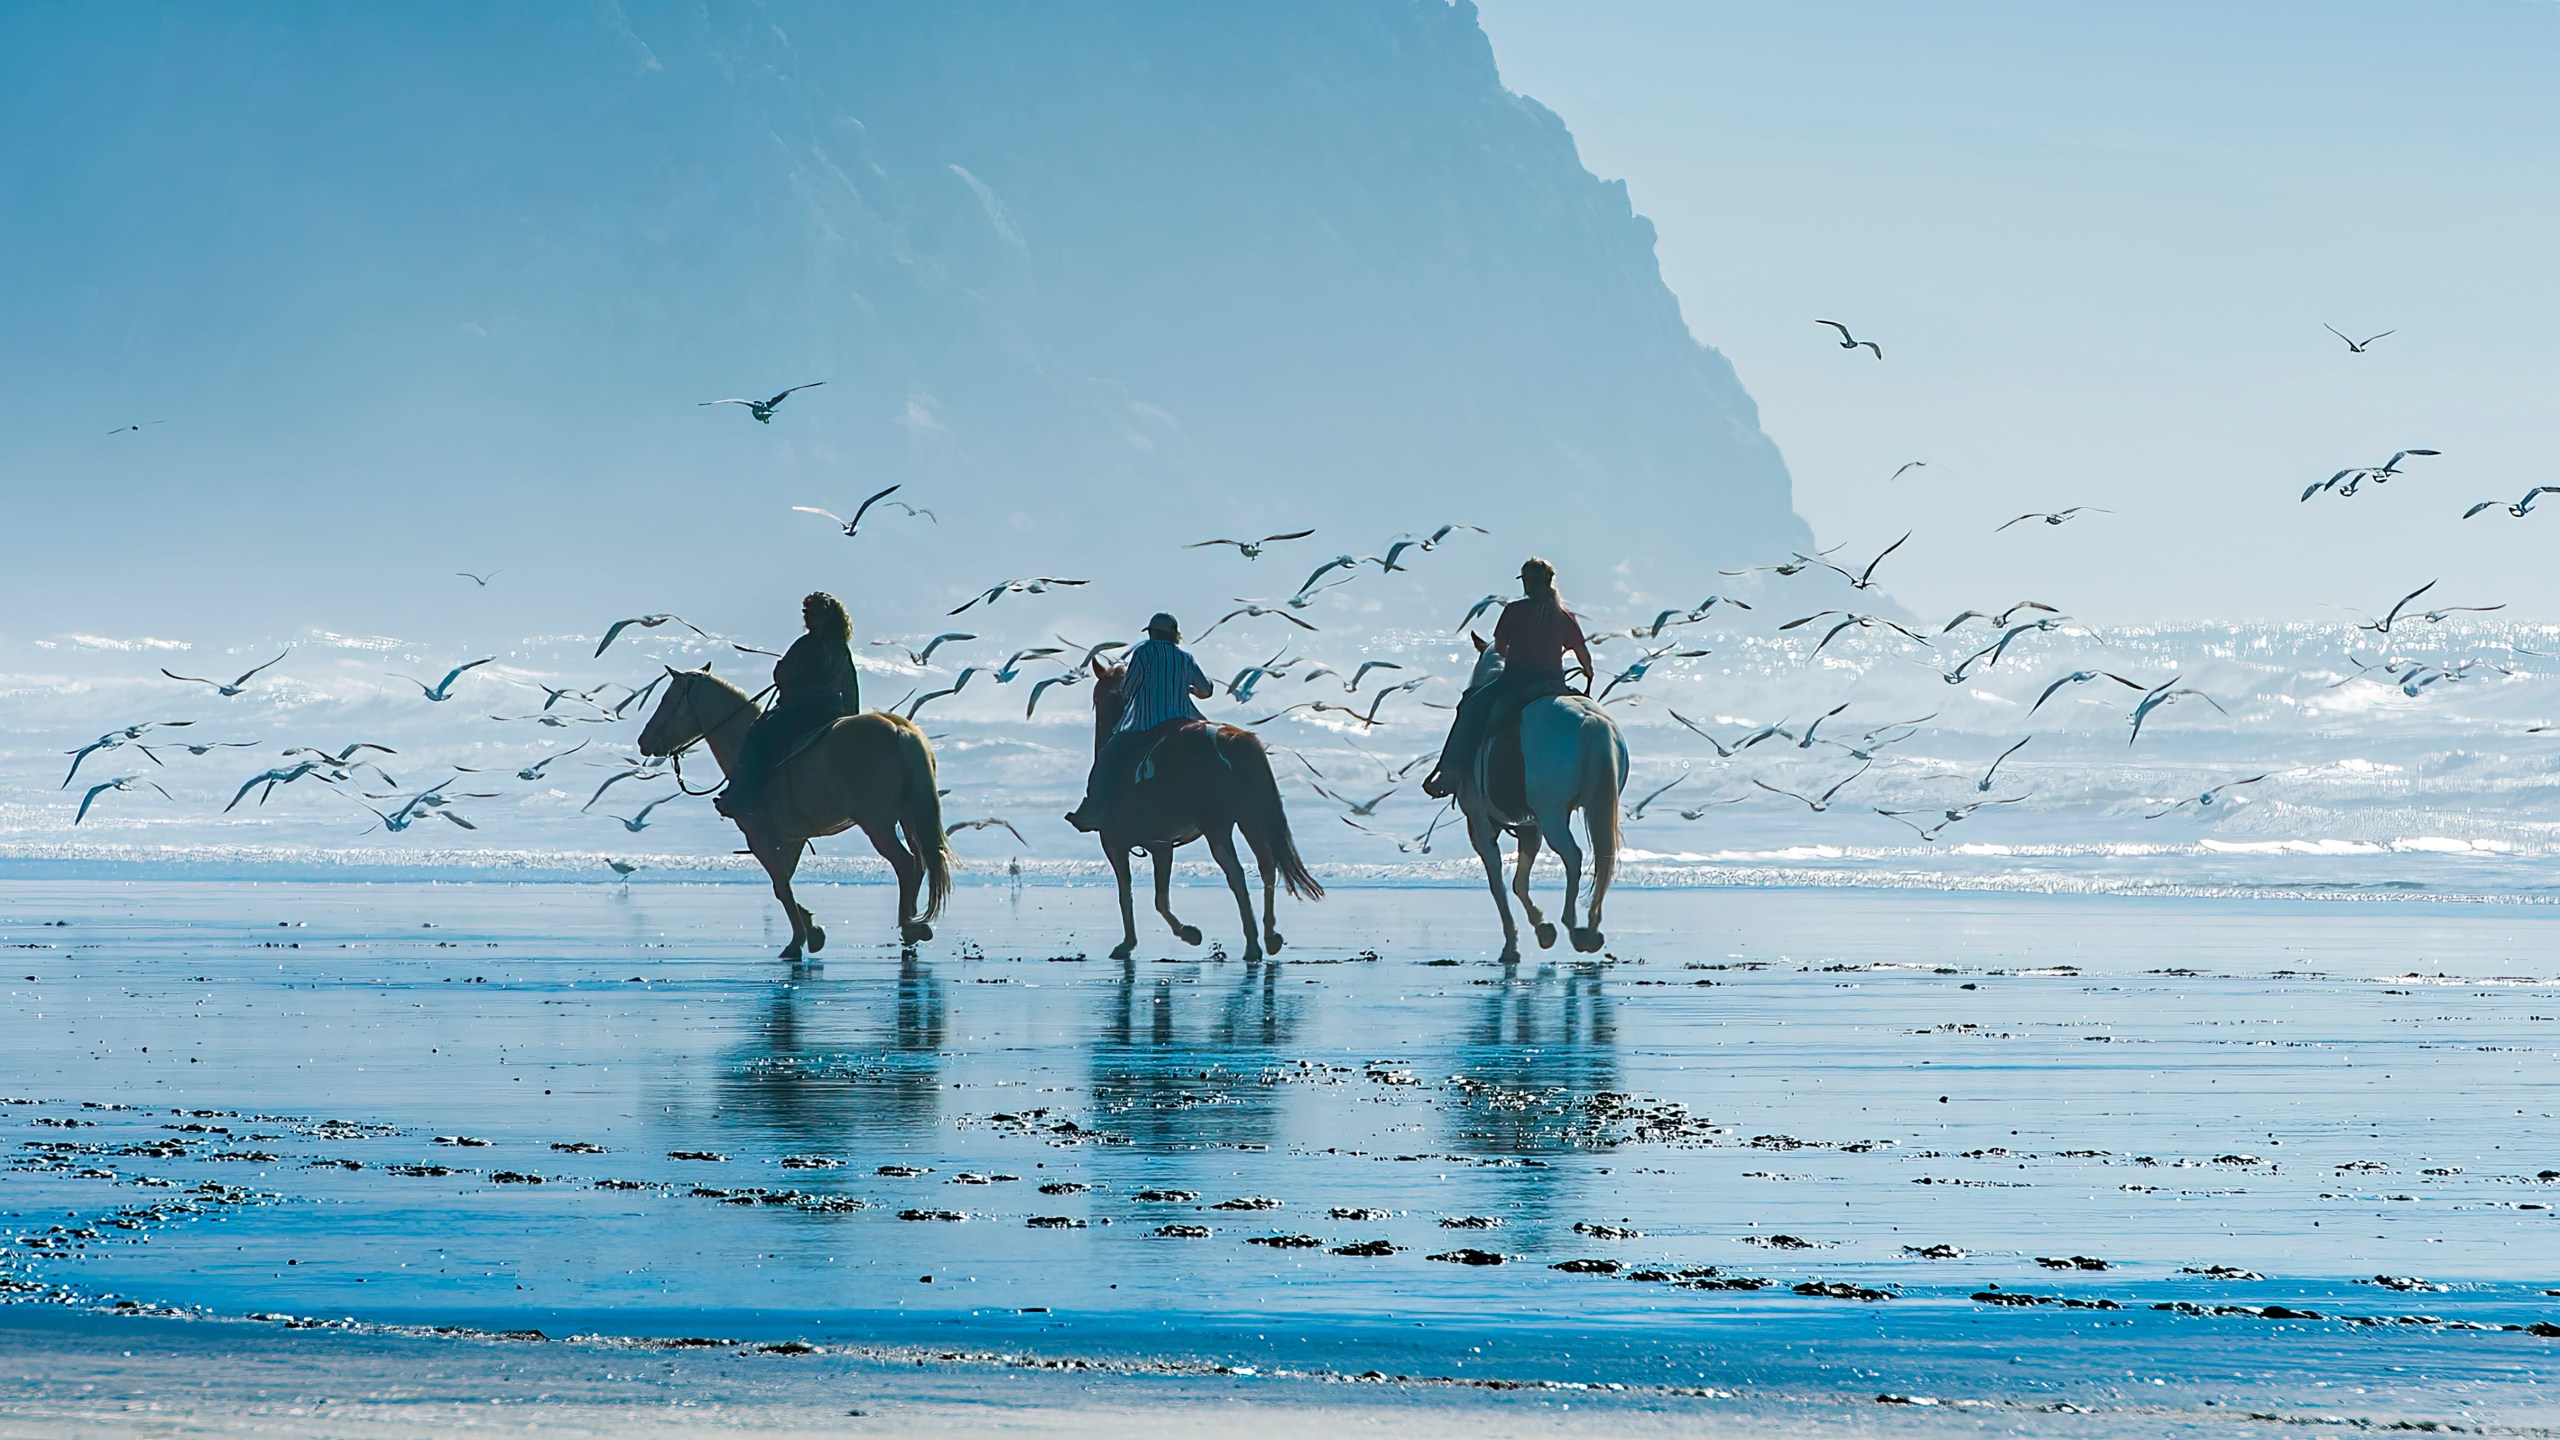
2098, 244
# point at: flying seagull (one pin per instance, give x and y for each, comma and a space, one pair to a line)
1849, 341
2001, 620
442, 690
2207, 798
234, 687
991, 822
1864, 579
1907, 465
113, 739
637, 823
480, 580
1636, 812
1432, 541
1029, 585
271, 779
2346, 481
1251, 549
645, 622
1816, 805
2051, 517
2354, 347
763, 409
126, 782
925, 655
2520, 508
1984, 784
2163, 694
1253, 610
854, 524
131, 429
2078, 677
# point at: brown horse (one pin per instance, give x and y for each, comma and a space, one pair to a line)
874, 771
1208, 782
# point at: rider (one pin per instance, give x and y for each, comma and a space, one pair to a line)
814, 685
1532, 637
1156, 690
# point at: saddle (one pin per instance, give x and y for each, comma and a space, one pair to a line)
1501, 774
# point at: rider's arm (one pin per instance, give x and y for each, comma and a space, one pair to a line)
1201, 688
1581, 648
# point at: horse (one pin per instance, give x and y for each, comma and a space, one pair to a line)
1571, 758
1208, 782
874, 771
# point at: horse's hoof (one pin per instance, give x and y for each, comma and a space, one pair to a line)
1546, 936
1190, 934
1253, 954
1587, 941
1271, 940
1124, 949
817, 939
790, 952
914, 931
1510, 955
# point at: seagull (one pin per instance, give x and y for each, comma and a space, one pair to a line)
344, 757
1984, 784
1253, 609
850, 526
2051, 517
1849, 341
1362, 808
131, 429
2383, 625
1990, 654
480, 580
1368, 720
442, 690
2519, 509
2354, 347
1011, 670
1723, 751
1091, 652
1479, 608
1636, 812
1338, 562
637, 823
2078, 677
623, 868
2162, 694
954, 688
1240, 689
1251, 549
925, 655
111, 740
284, 775
992, 822
1436, 536
1850, 618
646, 622
534, 770
200, 748
1865, 579
1949, 817
1352, 685
1805, 742
2207, 798
1636, 671
2355, 475
1072, 677
762, 409
234, 687
1698, 811
2001, 620
1028, 585
1817, 805
1907, 465
1305, 598
125, 782
643, 770
1799, 563
1388, 563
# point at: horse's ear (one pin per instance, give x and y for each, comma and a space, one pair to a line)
1096, 662
670, 669
1478, 639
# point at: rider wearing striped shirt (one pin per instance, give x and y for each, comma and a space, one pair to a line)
1156, 690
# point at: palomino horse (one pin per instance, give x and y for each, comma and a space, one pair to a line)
875, 771
1207, 783
1572, 758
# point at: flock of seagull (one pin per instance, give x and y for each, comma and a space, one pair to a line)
1068, 663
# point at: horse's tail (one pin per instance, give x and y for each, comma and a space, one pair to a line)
1264, 819
921, 817
1603, 763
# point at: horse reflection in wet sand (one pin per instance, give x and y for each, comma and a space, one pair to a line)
873, 771
1208, 782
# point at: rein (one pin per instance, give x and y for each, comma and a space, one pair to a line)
676, 760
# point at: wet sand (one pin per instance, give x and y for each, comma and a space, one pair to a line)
1777, 1154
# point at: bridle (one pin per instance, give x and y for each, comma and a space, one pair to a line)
675, 757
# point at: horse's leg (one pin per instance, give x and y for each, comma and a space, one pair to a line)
1559, 833
1162, 855
883, 834
1222, 847
1270, 918
1520, 886
1482, 834
1119, 857
779, 864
